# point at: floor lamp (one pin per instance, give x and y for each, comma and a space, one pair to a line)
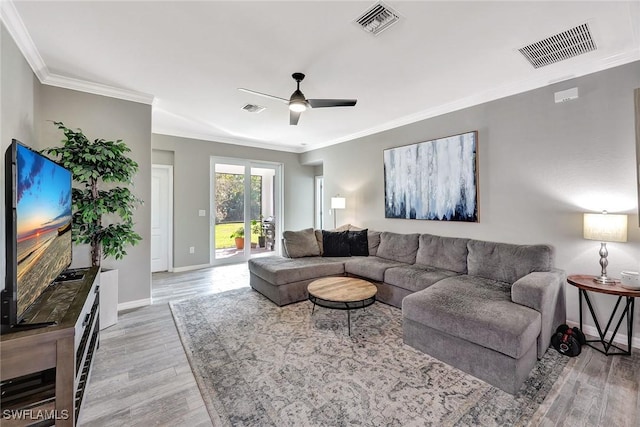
337, 203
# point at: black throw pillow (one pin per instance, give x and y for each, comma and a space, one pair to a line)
335, 243
359, 243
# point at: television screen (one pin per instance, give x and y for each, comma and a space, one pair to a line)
42, 193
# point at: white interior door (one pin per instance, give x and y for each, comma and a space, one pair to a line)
161, 208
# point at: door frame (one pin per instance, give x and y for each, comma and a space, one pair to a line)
278, 207
319, 202
169, 230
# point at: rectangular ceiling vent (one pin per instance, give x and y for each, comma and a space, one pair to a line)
564, 45
252, 108
377, 18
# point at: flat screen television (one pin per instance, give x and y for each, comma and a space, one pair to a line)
38, 228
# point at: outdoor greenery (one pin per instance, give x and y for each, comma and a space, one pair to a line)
230, 197
92, 163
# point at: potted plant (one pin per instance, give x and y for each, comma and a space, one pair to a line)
238, 235
257, 228
92, 164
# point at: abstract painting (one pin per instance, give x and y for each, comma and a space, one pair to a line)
435, 180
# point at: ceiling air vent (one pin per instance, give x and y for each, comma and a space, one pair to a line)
564, 45
252, 108
377, 18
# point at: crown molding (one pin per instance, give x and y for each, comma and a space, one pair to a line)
224, 139
535, 82
97, 88
16, 28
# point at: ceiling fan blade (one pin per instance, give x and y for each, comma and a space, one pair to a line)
321, 103
294, 116
266, 95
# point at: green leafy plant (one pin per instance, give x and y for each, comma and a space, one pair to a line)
256, 227
92, 163
238, 233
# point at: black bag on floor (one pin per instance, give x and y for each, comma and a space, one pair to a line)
568, 341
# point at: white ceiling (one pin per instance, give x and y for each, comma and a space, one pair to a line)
189, 58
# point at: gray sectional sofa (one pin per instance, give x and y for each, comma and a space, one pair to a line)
486, 308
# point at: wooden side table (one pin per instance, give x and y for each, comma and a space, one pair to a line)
586, 283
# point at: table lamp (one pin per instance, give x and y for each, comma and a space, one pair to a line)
605, 228
337, 203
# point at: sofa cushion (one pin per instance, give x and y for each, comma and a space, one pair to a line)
301, 243
373, 240
506, 262
358, 243
280, 271
448, 253
370, 267
477, 310
335, 243
398, 247
318, 234
415, 277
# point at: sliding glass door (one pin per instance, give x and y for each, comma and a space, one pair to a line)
245, 206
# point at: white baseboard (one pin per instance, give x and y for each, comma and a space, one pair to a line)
620, 338
190, 267
134, 304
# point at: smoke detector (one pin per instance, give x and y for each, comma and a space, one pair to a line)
253, 108
564, 45
377, 18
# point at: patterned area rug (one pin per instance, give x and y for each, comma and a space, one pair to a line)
258, 364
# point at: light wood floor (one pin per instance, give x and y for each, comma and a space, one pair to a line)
141, 375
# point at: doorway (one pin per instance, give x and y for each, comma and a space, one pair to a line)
161, 218
245, 209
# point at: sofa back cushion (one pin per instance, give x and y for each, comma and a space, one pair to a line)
398, 247
373, 240
448, 253
301, 243
506, 262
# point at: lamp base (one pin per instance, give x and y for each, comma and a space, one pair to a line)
604, 280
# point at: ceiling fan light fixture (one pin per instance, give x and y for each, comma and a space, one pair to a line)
298, 106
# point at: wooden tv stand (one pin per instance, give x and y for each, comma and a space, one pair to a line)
44, 371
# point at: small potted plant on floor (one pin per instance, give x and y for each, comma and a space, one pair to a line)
256, 228
238, 235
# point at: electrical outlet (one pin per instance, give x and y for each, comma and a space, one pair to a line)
202, 212
192, 249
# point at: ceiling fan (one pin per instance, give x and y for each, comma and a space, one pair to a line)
298, 103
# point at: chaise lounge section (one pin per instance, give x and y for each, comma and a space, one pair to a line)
486, 308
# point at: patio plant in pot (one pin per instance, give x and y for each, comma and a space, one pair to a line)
257, 228
102, 217
238, 235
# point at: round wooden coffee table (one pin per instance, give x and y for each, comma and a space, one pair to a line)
342, 293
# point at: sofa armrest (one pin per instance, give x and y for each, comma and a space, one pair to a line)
543, 292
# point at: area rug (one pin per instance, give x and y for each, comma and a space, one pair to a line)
258, 364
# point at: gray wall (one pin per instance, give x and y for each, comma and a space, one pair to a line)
18, 96
108, 118
541, 165
162, 157
191, 191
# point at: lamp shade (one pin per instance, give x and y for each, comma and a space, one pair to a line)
605, 227
338, 203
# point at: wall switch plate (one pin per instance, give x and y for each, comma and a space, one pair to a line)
202, 212
192, 249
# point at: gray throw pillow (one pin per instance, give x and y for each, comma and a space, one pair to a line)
301, 243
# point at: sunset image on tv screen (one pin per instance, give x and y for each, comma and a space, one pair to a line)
43, 222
